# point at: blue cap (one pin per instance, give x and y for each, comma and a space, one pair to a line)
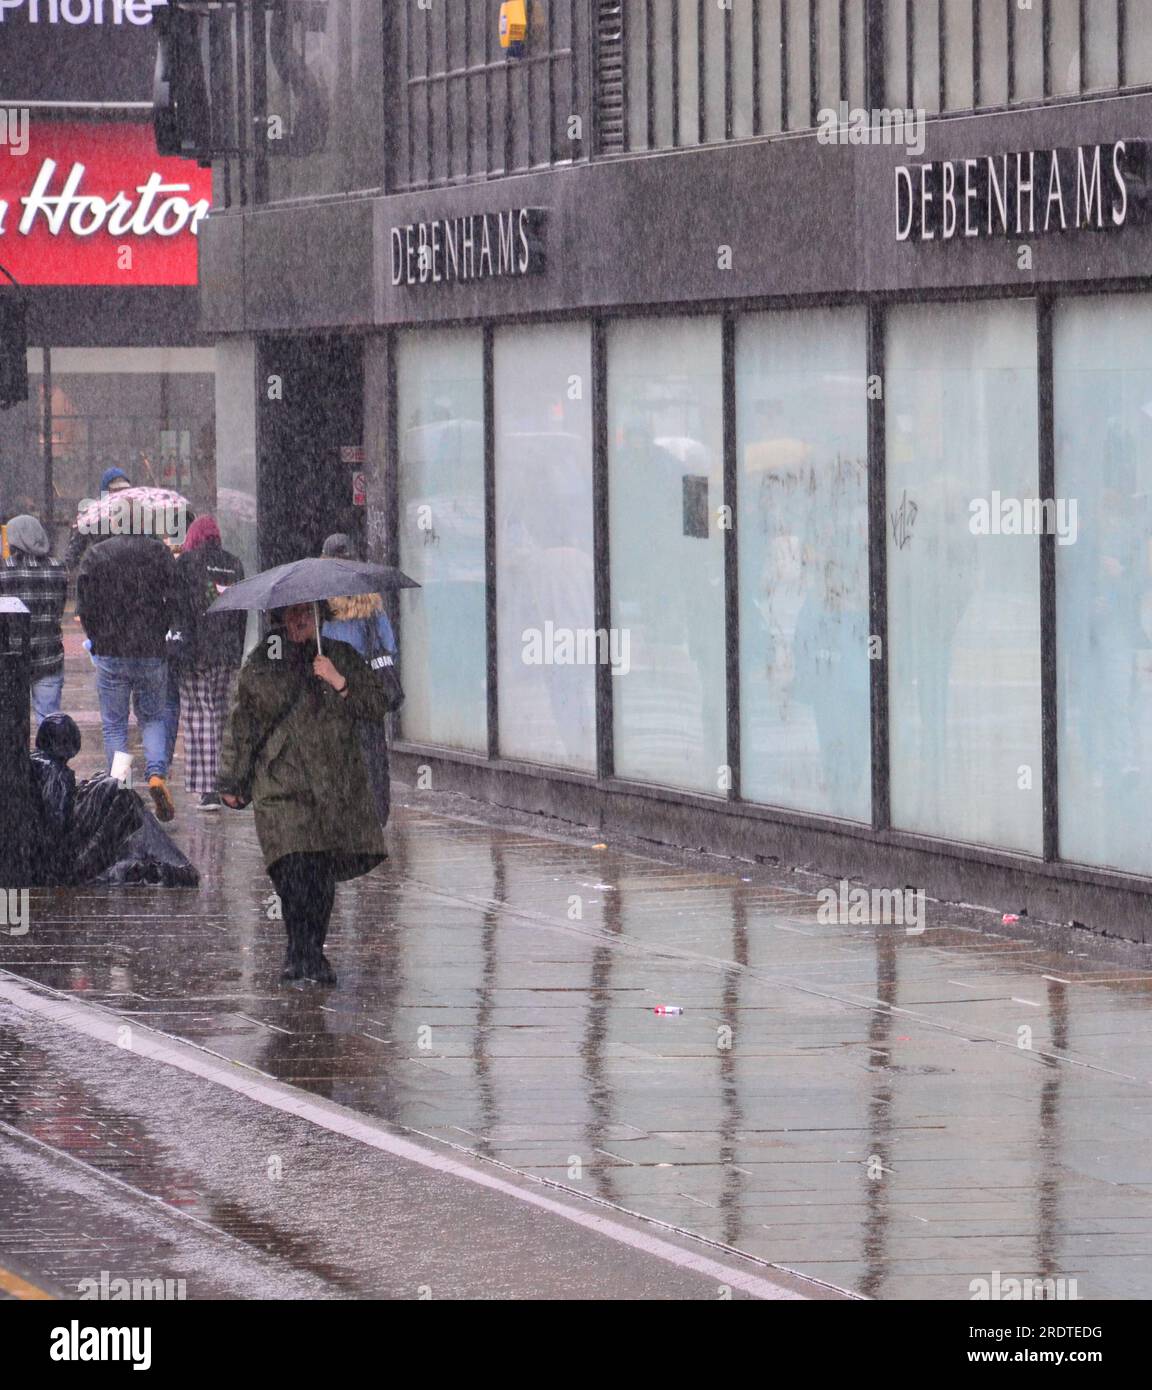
109, 476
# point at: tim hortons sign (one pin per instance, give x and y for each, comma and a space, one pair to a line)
96, 205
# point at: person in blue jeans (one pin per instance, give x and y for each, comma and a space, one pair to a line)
30, 574
124, 600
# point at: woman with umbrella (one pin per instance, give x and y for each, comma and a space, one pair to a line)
292, 749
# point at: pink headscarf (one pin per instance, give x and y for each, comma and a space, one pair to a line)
203, 531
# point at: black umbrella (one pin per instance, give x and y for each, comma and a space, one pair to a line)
310, 581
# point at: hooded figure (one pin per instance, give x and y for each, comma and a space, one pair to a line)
360, 620
31, 575
290, 749
114, 480
111, 480
205, 650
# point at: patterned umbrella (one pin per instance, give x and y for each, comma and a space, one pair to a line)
152, 511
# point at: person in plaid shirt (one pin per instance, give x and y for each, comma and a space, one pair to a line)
30, 574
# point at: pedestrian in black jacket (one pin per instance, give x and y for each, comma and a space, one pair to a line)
207, 650
124, 599
41, 584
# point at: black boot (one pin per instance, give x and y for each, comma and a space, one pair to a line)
294, 961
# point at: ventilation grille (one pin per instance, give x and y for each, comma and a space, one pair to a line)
610, 75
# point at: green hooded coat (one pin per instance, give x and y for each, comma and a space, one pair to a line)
306, 778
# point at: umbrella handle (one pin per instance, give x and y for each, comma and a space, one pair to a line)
319, 647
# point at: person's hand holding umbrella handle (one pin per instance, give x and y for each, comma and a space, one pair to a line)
322, 667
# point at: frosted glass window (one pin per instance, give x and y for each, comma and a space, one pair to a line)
925, 58
440, 390
544, 564
1028, 53
828, 53
1138, 42
770, 59
963, 602
854, 42
896, 53
1101, 61
1064, 56
1103, 411
799, 67
957, 20
689, 72
667, 570
636, 79
993, 56
714, 94
742, 55
663, 57
802, 489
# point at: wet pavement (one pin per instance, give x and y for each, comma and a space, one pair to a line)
892, 1112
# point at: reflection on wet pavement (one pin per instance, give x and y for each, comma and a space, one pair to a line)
896, 1114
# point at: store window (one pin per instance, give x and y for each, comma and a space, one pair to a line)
955, 55
1103, 400
963, 573
149, 411
696, 72
665, 411
443, 643
468, 109
546, 646
802, 490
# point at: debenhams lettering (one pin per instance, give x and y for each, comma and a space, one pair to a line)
1027, 193
481, 246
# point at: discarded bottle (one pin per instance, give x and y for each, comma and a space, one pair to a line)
667, 1010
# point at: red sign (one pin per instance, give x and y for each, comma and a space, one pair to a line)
359, 490
96, 205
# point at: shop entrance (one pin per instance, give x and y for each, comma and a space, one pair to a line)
310, 420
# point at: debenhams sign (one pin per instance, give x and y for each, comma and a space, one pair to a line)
1027, 193
479, 246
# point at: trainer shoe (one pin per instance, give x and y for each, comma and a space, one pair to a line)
162, 802
210, 801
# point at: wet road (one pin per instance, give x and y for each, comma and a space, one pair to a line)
895, 1114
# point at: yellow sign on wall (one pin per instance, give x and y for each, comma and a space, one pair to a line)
513, 26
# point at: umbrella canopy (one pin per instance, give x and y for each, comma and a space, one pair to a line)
158, 502
310, 581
